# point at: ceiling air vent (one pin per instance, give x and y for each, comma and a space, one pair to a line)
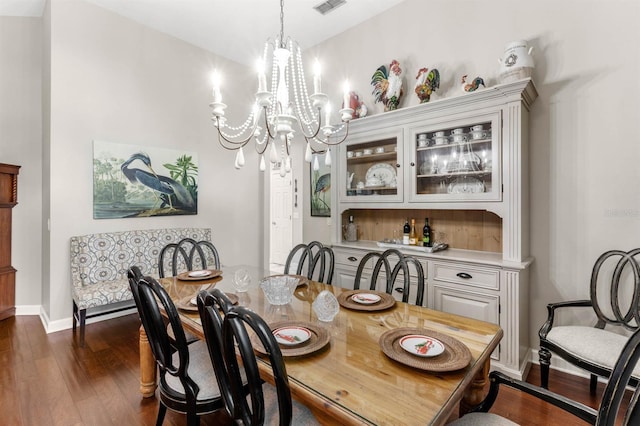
328, 6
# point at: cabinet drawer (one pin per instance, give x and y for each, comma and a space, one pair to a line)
467, 275
348, 257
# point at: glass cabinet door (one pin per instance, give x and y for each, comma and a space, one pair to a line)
457, 161
372, 169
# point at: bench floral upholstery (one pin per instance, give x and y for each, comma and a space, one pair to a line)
99, 264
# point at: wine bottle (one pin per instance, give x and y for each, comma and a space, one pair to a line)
405, 232
426, 234
413, 235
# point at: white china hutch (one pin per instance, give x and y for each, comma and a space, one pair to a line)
462, 162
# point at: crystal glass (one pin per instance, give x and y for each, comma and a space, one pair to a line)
326, 306
241, 280
279, 289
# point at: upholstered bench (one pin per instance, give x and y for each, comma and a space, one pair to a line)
99, 265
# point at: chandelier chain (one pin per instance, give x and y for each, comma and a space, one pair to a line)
282, 24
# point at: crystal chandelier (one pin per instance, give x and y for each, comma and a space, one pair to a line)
285, 106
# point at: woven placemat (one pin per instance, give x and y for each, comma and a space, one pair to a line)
318, 340
456, 354
386, 301
184, 276
186, 305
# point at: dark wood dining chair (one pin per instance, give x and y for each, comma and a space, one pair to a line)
187, 382
392, 262
606, 414
615, 279
314, 261
187, 255
264, 403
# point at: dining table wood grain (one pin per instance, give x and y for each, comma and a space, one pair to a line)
351, 380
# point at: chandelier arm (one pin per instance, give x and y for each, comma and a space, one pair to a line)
316, 131
327, 141
266, 145
270, 134
222, 139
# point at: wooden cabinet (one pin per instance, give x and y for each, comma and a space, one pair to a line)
463, 163
8, 199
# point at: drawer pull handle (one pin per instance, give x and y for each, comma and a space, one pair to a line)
463, 275
352, 259
399, 290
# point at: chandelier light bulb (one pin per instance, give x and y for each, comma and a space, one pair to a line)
263, 166
317, 85
346, 98
215, 81
262, 78
287, 164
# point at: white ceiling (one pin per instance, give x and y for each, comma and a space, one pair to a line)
236, 29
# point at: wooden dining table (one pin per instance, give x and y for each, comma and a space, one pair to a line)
351, 380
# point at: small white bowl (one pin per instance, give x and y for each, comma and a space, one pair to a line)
358, 153
439, 134
349, 154
380, 150
457, 131
367, 151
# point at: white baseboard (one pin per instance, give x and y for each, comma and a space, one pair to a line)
28, 310
65, 323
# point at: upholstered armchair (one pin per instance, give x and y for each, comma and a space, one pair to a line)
614, 299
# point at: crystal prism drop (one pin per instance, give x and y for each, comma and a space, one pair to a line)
273, 154
283, 172
263, 167
287, 164
327, 158
316, 165
307, 153
240, 158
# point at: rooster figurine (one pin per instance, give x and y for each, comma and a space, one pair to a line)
471, 87
387, 85
426, 83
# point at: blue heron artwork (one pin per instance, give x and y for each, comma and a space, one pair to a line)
142, 181
321, 189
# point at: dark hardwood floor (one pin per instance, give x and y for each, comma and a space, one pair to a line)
49, 380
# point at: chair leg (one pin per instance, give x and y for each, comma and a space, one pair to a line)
593, 384
162, 410
83, 320
193, 419
545, 362
75, 315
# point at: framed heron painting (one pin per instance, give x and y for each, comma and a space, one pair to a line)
143, 181
320, 187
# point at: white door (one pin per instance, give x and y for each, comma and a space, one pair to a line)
281, 221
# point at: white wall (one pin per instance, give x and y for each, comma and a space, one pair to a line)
584, 148
115, 80
20, 144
